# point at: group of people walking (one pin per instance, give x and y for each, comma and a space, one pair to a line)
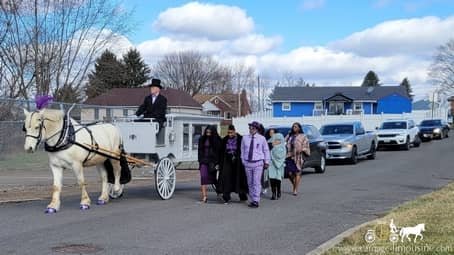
246, 164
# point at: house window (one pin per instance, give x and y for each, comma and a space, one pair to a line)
358, 106
336, 108
108, 113
96, 114
318, 106
286, 107
227, 115
125, 112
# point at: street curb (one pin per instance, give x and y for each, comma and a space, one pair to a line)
20, 200
337, 239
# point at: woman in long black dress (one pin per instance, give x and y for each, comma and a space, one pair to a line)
208, 157
232, 174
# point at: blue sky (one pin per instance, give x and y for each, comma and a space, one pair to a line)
329, 20
324, 41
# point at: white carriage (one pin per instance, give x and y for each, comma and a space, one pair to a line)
174, 143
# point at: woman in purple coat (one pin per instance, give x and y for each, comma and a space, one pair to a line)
208, 157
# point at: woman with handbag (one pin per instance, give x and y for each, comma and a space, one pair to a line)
297, 149
208, 157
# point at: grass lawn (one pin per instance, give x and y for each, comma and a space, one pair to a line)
25, 161
435, 210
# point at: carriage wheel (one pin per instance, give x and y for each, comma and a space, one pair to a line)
115, 195
165, 178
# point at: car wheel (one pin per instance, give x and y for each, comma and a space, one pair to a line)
417, 141
372, 152
322, 167
354, 157
406, 146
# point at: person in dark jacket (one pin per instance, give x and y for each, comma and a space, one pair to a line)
232, 173
209, 157
264, 180
154, 105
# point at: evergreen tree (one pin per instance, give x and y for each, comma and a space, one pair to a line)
108, 74
136, 71
371, 80
406, 83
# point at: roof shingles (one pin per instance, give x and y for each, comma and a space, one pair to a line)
323, 93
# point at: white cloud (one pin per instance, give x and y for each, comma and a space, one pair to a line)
154, 49
312, 4
417, 36
212, 21
255, 44
393, 49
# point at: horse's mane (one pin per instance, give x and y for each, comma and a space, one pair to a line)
53, 114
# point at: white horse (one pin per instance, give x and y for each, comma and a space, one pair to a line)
406, 232
52, 127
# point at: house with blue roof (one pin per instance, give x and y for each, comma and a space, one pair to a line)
313, 101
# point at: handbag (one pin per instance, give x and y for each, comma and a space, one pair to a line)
290, 167
212, 168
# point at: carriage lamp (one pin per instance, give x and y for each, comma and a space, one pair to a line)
172, 137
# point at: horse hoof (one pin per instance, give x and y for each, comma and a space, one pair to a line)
84, 207
50, 211
101, 202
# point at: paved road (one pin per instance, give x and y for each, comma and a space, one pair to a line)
140, 223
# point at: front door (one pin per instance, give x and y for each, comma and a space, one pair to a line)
336, 108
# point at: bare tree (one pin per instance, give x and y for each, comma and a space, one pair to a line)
243, 77
49, 45
442, 69
190, 71
290, 80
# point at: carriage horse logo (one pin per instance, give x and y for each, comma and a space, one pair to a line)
405, 232
399, 233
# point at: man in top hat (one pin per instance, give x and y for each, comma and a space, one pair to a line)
155, 105
255, 155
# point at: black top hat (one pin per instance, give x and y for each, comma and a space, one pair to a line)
155, 83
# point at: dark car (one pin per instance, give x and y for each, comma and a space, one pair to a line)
437, 128
317, 159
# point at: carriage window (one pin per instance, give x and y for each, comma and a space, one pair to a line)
125, 112
185, 137
197, 131
96, 114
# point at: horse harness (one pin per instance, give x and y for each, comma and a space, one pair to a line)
67, 139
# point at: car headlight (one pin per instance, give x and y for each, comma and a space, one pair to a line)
437, 130
347, 145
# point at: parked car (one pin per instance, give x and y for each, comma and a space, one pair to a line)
402, 133
349, 141
317, 159
436, 128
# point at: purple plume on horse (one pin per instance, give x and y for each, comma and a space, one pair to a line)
42, 101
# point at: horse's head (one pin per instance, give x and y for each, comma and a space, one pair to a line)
34, 129
422, 227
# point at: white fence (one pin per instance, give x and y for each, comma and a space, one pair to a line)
370, 122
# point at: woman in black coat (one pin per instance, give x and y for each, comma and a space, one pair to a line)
208, 157
232, 173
